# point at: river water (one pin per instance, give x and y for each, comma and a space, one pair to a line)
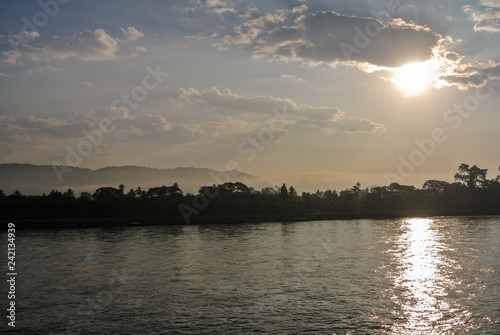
405, 276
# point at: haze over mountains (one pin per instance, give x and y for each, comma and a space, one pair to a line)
38, 179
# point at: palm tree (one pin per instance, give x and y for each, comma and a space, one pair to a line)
471, 176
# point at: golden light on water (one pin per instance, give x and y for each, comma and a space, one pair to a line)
422, 283
414, 78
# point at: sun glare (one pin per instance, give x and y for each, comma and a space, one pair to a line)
413, 78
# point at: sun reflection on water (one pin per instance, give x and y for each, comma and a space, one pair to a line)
421, 283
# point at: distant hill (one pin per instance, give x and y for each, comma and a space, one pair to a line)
38, 179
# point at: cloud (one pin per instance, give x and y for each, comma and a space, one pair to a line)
86, 46
472, 75
299, 9
210, 117
487, 16
338, 122
130, 129
131, 33
249, 31
220, 7
215, 3
25, 36
291, 77
145, 127
35, 127
331, 38
256, 112
11, 57
455, 69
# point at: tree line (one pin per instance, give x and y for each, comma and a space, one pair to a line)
471, 190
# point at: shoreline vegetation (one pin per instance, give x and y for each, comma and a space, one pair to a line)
471, 194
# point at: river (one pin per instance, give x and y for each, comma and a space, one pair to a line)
404, 276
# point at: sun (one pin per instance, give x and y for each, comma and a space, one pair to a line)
413, 78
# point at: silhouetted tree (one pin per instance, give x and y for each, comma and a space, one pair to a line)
471, 176
131, 193
69, 193
471, 194
107, 193
235, 187
356, 189
395, 187
140, 192
329, 200
85, 195
267, 191
435, 186
283, 191
377, 199
455, 195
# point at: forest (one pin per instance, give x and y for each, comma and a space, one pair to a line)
471, 191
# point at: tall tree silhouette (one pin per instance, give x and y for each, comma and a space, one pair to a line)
284, 191
471, 176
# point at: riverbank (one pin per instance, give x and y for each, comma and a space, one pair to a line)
232, 219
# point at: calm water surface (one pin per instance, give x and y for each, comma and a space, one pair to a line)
413, 276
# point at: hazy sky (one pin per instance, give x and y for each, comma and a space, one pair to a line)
315, 94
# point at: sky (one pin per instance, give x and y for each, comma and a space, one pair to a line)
314, 94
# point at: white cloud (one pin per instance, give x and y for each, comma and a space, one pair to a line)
86, 46
220, 7
291, 77
486, 16
248, 32
11, 57
299, 9
25, 36
132, 33
215, 3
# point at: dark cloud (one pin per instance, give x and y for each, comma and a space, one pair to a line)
473, 75
453, 56
329, 37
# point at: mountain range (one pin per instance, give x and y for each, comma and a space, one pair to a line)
38, 179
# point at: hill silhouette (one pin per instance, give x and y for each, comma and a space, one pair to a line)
38, 179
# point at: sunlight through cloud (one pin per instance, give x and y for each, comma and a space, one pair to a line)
414, 78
